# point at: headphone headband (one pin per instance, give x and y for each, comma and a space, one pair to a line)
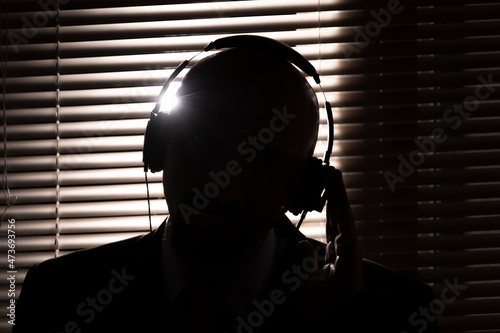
270, 45
249, 42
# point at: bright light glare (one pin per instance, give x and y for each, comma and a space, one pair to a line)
169, 100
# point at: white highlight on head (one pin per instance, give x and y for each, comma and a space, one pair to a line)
169, 100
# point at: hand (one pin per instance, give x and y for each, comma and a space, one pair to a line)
341, 278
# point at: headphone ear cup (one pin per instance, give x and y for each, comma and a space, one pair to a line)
156, 140
309, 193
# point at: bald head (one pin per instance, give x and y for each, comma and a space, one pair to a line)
245, 86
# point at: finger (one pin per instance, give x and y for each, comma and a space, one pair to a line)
332, 225
342, 221
332, 230
331, 253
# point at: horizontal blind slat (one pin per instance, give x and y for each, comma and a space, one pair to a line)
400, 261
150, 78
80, 177
87, 209
75, 161
411, 226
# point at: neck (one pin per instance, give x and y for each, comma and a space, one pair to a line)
204, 258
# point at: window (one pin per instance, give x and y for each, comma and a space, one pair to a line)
415, 90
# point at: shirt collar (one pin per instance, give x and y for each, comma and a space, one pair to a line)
239, 288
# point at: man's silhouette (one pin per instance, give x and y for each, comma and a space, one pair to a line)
227, 259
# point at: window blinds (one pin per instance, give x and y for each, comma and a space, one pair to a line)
415, 93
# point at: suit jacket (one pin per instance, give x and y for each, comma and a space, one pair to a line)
118, 287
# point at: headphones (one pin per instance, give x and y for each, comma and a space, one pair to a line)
310, 192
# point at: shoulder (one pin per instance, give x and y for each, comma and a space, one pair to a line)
384, 281
59, 288
82, 266
389, 302
91, 261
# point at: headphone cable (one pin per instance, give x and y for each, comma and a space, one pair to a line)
149, 203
